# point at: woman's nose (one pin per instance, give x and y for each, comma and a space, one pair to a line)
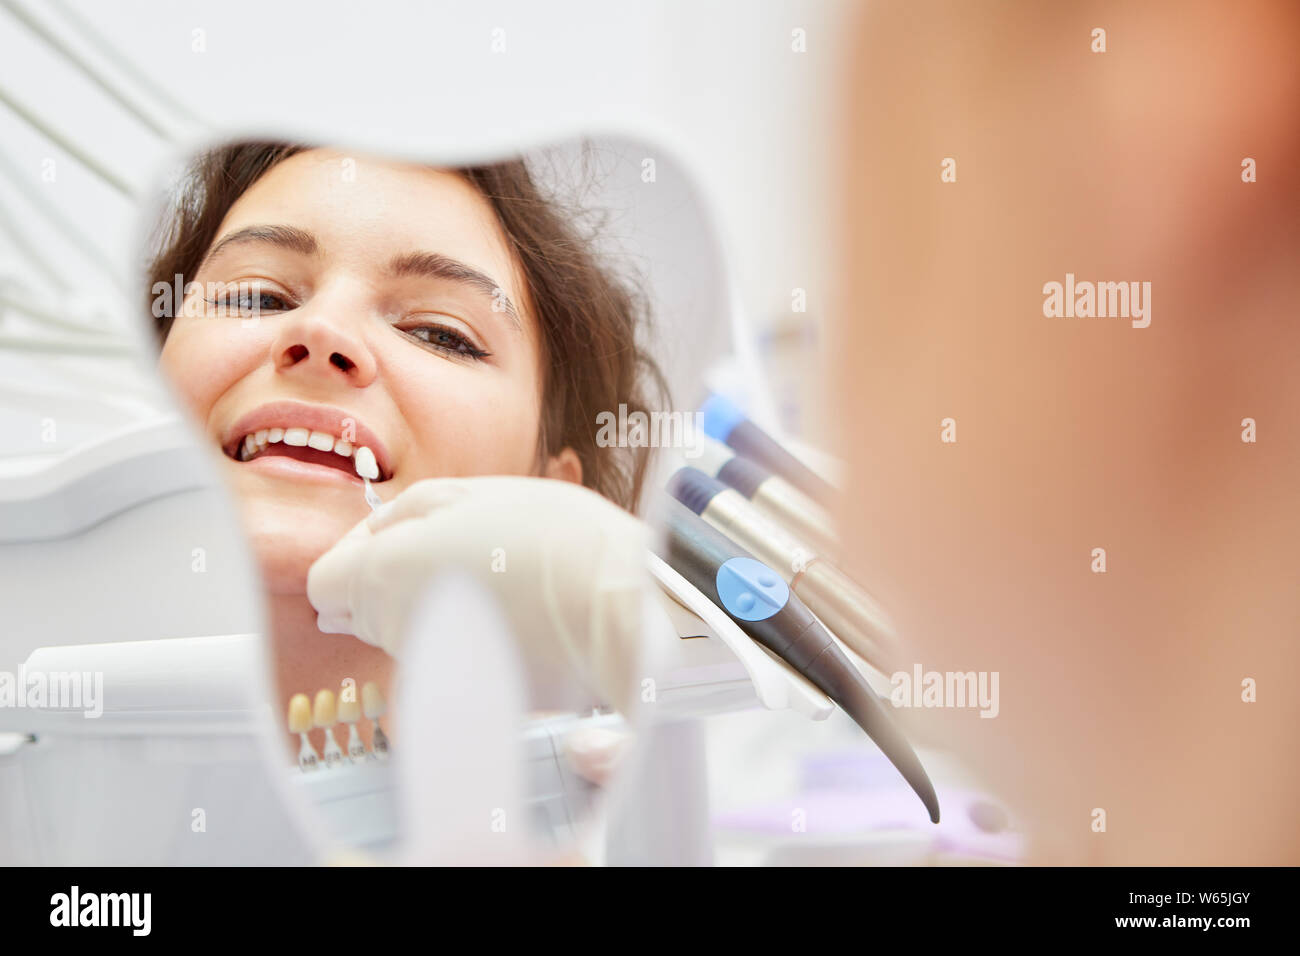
316, 344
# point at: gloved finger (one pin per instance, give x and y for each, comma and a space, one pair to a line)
331, 580
334, 625
386, 574
334, 585
416, 501
595, 753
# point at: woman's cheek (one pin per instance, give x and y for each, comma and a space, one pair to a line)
205, 358
188, 372
473, 424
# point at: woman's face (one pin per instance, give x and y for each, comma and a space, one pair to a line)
389, 314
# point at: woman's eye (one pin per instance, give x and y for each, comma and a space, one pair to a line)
248, 301
447, 340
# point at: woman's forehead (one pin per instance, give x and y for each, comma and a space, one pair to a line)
365, 213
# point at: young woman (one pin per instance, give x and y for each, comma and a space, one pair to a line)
452, 321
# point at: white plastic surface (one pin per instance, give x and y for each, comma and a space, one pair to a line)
49, 497
775, 684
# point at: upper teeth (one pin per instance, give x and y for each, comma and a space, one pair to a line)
299, 437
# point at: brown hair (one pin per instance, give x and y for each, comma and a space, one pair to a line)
587, 317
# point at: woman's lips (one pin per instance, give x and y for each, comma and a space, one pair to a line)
304, 464
298, 424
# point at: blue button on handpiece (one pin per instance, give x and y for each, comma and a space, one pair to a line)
762, 605
750, 590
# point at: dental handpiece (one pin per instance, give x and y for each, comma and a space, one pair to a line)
770, 493
844, 607
762, 605
726, 423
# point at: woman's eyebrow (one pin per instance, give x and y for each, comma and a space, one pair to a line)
287, 237
434, 265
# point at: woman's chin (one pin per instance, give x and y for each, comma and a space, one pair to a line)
286, 549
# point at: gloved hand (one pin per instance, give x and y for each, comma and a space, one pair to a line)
568, 567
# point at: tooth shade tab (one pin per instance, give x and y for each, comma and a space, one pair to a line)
324, 713
349, 710
299, 714
372, 700
366, 466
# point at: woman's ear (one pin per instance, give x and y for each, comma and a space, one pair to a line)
565, 466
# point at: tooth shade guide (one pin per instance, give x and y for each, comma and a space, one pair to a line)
349, 710
372, 700
374, 706
300, 717
300, 721
364, 461
350, 715
372, 498
368, 469
325, 712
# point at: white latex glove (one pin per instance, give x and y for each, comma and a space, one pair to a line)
568, 567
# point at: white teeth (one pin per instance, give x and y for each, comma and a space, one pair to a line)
321, 441
365, 463
363, 458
